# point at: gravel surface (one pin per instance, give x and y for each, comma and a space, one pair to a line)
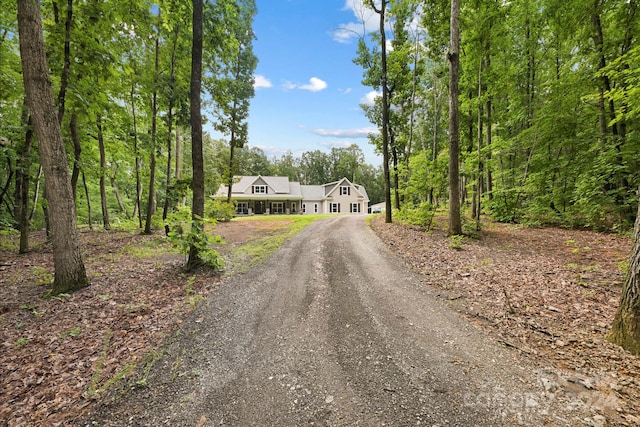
335, 330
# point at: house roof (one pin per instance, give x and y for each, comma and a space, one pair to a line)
281, 188
312, 192
332, 186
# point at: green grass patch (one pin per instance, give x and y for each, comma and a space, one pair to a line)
256, 251
149, 250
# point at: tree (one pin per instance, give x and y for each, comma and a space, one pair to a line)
385, 108
197, 161
625, 330
455, 223
70, 273
232, 84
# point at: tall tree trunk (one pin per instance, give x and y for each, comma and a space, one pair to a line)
70, 273
434, 144
197, 160
87, 196
455, 221
385, 110
178, 154
625, 330
66, 67
151, 201
36, 193
103, 171
480, 142
22, 184
137, 211
165, 209
116, 192
77, 152
232, 150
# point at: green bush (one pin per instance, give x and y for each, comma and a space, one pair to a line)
219, 211
183, 236
421, 215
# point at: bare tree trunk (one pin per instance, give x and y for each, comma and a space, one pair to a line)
36, 193
137, 211
455, 221
70, 273
66, 68
480, 142
103, 170
77, 152
116, 192
178, 154
151, 201
86, 194
385, 110
232, 149
165, 209
197, 159
625, 330
22, 185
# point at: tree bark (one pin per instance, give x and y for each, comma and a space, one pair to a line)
625, 330
385, 110
116, 192
23, 189
66, 68
87, 196
69, 268
136, 210
455, 222
36, 193
197, 158
151, 201
103, 171
77, 152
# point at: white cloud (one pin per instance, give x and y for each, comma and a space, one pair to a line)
315, 85
346, 133
366, 21
369, 98
261, 81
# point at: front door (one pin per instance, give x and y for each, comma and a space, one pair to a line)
260, 207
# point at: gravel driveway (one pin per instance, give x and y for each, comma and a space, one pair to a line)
334, 330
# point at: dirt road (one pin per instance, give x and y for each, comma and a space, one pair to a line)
334, 330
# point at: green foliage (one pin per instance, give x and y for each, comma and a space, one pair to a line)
218, 210
184, 237
22, 341
421, 215
456, 241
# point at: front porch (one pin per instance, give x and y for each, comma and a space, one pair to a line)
267, 207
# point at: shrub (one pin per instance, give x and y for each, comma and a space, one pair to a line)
219, 211
183, 236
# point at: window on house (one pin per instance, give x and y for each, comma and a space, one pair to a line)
277, 208
259, 189
334, 208
293, 207
304, 208
345, 190
243, 208
315, 208
355, 207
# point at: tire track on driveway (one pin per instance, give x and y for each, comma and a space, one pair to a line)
334, 330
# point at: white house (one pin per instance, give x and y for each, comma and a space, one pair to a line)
277, 195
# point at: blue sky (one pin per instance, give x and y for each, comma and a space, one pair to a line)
308, 90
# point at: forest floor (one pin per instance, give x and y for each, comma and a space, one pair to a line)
549, 293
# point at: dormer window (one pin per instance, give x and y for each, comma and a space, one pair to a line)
345, 190
259, 189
